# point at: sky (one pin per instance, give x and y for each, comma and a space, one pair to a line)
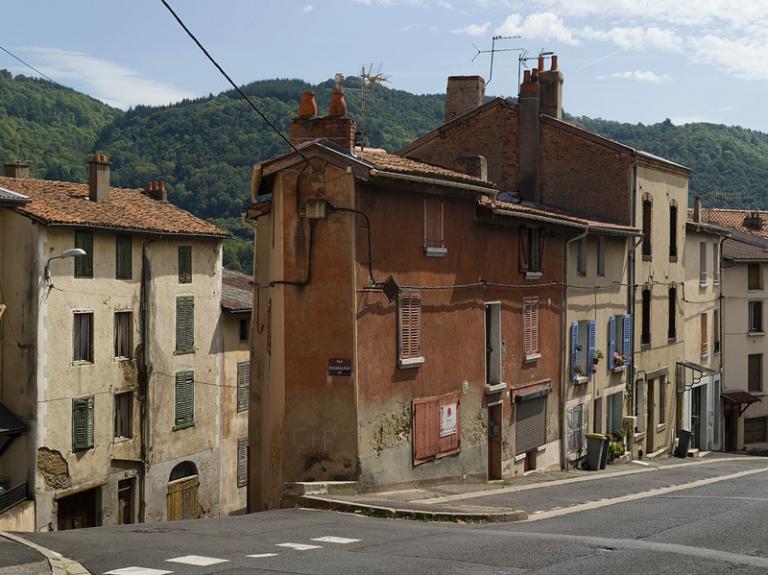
625, 60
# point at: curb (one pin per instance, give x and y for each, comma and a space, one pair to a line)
328, 504
59, 565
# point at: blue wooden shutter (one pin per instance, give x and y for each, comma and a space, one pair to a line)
574, 349
611, 341
590, 346
627, 327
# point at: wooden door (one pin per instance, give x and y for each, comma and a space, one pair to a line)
125, 502
77, 511
650, 406
182, 499
494, 440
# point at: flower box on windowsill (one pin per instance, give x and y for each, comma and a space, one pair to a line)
410, 362
580, 379
618, 369
435, 252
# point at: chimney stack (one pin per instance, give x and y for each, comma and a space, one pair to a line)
156, 191
528, 135
476, 166
17, 170
336, 126
551, 90
98, 178
464, 93
697, 209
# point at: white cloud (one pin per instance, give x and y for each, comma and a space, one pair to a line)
541, 26
645, 76
308, 8
473, 29
111, 83
636, 38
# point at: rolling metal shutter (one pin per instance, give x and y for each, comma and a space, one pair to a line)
531, 422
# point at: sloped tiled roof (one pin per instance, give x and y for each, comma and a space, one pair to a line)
12, 198
741, 251
66, 203
236, 291
734, 219
387, 162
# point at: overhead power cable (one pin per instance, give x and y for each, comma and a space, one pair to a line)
30, 66
235, 86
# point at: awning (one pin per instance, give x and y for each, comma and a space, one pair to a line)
10, 427
737, 399
702, 370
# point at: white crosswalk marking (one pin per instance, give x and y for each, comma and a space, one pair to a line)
137, 571
299, 546
198, 560
340, 540
260, 555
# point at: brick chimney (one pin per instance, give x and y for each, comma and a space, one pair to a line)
336, 126
17, 169
697, 209
98, 178
528, 135
156, 191
551, 90
476, 166
753, 221
464, 93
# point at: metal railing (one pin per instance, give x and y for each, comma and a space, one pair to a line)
13, 496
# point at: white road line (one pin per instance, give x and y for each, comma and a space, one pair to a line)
137, 571
199, 560
340, 540
299, 546
260, 555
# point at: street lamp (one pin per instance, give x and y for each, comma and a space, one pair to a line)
70, 253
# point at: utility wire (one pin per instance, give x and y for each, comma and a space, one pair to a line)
235, 86
31, 67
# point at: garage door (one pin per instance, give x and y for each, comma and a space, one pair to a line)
531, 418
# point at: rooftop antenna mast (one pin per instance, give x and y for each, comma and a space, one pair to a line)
368, 78
493, 51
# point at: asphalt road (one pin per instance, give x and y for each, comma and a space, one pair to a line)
699, 519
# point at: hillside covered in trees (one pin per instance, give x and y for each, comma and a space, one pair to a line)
204, 148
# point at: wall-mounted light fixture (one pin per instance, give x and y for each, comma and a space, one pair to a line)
70, 253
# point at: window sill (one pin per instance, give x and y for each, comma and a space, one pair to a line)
703, 285
183, 351
533, 275
531, 358
755, 333
673, 259
122, 359
647, 258
82, 449
409, 362
672, 339
81, 362
581, 379
645, 346
661, 427
183, 426
519, 458
704, 355
121, 439
435, 252
491, 388
639, 436
619, 369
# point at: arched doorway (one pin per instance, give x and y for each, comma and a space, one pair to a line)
182, 492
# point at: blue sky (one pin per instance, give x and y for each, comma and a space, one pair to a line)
626, 60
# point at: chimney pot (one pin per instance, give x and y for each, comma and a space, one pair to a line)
156, 191
98, 178
535, 76
541, 64
337, 108
308, 105
526, 76
17, 170
336, 127
553, 63
551, 91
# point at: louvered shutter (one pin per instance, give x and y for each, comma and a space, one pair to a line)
574, 349
627, 343
123, 257
242, 462
433, 221
185, 324
612, 342
185, 398
82, 424
531, 325
702, 263
525, 250
590, 346
410, 324
243, 385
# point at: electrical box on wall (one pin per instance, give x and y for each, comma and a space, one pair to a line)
315, 208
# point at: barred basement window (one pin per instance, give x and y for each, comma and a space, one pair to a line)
185, 264
124, 414
242, 462
82, 423
185, 324
84, 264
123, 334
123, 257
83, 337
185, 399
243, 385
409, 304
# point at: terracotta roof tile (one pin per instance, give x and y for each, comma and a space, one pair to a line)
236, 291
734, 219
66, 203
387, 162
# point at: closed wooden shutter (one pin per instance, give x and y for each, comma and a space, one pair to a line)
524, 249
591, 344
531, 423
242, 462
612, 363
185, 264
755, 372
410, 324
574, 350
531, 325
185, 324
84, 264
123, 257
716, 263
626, 348
433, 221
704, 334
702, 263
243, 384
427, 441
185, 399
82, 424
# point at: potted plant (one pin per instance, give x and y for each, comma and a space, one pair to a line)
597, 357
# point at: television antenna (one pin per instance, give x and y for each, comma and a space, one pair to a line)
523, 58
368, 78
493, 51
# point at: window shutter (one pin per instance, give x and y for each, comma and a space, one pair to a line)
716, 263
531, 325
590, 346
185, 398
84, 264
574, 349
433, 221
243, 385
242, 462
123, 257
82, 424
410, 324
525, 250
626, 344
540, 235
185, 324
702, 263
570, 431
584, 426
612, 341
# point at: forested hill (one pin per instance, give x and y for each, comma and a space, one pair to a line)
204, 148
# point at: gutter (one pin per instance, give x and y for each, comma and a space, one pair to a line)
432, 181
593, 229
224, 236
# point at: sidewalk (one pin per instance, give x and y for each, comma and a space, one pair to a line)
516, 498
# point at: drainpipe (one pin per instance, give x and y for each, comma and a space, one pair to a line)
632, 287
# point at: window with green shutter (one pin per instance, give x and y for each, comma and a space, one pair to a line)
185, 399
243, 384
242, 462
185, 264
123, 257
185, 324
82, 423
84, 264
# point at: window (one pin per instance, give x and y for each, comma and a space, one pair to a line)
600, 256
185, 399
672, 233
615, 413
581, 257
662, 400
243, 385
716, 264
531, 250
619, 340
84, 264
639, 400
242, 462
245, 329
716, 331
645, 335
83, 337
755, 429
123, 257
647, 211
124, 414
703, 330
672, 328
410, 328
755, 372
434, 225
124, 334
582, 349
185, 264
702, 264
493, 343
82, 423
531, 327
185, 324
754, 280
755, 317
436, 427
